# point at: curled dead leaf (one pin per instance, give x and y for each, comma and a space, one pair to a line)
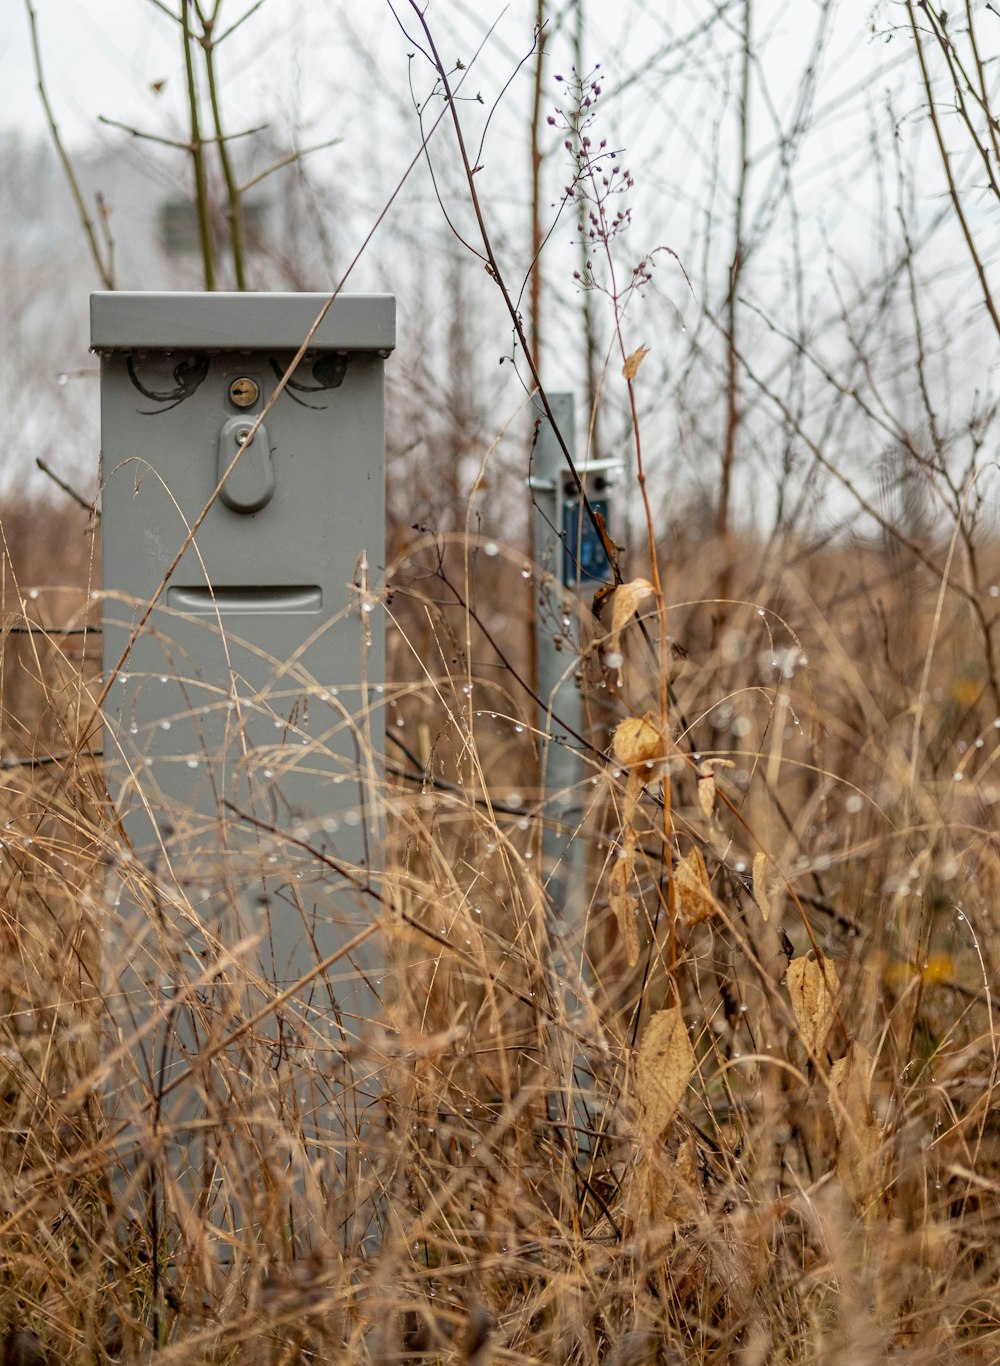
814, 989
706, 783
628, 597
664, 1065
631, 367
623, 904
859, 1133
672, 1186
634, 784
695, 901
638, 740
763, 882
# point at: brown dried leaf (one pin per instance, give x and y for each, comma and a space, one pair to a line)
638, 741
706, 794
763, 872
631, 367
814, 990
628, 596
664, 1065
633, 791
673, 1186
706, 783
859, 1134
624, 904
695, 901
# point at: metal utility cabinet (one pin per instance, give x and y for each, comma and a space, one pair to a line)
244, 724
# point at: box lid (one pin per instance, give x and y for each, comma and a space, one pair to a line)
121, 321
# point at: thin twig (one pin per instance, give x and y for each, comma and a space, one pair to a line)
197, 152
68, 489
103, 266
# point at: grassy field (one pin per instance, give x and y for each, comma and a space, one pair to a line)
735, 1103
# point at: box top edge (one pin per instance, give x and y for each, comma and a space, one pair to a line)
226, 320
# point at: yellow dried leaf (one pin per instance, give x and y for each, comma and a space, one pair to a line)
624, 905
631, 367
814, 990
695, 901
859, 1134
664, 1065
637, 741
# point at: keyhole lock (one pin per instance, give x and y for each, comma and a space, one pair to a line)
251, 484
244, 392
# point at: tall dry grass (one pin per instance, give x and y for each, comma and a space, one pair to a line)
736, 1104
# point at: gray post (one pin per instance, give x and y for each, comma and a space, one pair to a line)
245, 726
568, 549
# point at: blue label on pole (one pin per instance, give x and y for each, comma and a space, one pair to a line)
584, 559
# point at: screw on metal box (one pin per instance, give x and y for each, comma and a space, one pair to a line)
244, 391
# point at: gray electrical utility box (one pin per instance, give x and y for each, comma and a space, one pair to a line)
244, 726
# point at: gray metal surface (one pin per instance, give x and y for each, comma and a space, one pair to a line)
557, 653
238, 322
245, 728
574, 564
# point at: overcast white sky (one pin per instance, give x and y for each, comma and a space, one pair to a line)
338, 69
103, 56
